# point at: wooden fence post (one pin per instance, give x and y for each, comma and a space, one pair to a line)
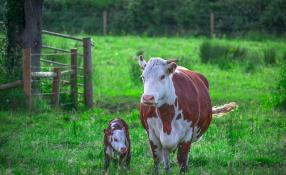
27, 76
211, 25
104, 21
56, 88
87, 64
73, 77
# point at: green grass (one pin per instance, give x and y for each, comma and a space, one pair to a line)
250, 140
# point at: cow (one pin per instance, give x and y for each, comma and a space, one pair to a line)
117, 143
175, 109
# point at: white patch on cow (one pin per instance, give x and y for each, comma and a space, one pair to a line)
162, 90
196, 134
155, 141
180, 131
109, 151
118, 139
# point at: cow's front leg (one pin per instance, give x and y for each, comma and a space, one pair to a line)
157, 155
165, 153
183, 155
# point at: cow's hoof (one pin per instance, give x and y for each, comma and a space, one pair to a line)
184, 170
168, 170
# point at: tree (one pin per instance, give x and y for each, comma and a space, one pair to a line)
24, 26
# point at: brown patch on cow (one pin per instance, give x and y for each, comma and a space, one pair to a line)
179, 116
146, 112
193, 97
166, 113
153, 148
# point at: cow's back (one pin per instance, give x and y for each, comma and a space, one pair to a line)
193, 96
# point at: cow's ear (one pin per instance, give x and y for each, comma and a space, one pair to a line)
107, 132
171, 67
142, 62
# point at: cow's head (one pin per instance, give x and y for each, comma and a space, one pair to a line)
117, 139
157, 79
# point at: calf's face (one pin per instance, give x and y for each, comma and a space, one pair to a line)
157, 79
117, 140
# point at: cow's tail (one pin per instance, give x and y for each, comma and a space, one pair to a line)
219, 111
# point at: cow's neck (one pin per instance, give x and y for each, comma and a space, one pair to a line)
170, 97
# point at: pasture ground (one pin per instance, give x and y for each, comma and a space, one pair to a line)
250, 140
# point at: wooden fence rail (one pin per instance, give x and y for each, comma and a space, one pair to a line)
61, 35
11, 85
58, 73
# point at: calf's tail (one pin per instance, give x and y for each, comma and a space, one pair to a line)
222, 110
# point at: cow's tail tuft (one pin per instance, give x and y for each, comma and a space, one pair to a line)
219, 111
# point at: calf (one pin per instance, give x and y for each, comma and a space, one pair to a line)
117, 143
175, 109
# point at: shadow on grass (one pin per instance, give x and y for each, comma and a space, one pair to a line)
251, 162
118, 103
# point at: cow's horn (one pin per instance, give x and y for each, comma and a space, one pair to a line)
172, 60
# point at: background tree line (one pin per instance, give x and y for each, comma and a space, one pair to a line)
165, 17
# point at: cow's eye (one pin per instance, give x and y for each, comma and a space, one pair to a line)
162, 77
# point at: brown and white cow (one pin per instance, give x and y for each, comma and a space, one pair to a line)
117, 143
175, 109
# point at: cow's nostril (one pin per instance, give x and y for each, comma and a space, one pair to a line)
148, 97
123, 150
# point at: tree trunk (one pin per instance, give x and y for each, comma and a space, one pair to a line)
24, 26
31, 37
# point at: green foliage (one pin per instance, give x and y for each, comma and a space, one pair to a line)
159, 17
247, 141
135, 72
224, 55
14, 26
269, 56
281, 87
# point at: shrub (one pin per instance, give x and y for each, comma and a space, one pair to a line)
269, 56
281, 87
134, 68
226, 56
185, 62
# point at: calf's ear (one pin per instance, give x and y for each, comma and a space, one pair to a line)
107, 132
142, 62
171, 67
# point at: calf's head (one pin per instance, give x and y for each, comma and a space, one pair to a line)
117, 139
157, 78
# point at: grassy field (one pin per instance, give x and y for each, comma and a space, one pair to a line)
250, 140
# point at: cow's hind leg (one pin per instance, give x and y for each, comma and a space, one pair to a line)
183, 155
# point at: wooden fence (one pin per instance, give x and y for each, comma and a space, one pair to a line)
29, 77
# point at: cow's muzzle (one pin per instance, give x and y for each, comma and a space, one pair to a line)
148, 100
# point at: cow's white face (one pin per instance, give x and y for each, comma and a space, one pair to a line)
157, 79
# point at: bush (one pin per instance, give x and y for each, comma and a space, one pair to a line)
134, 69
222, 55
281, 87
185, 62
269, 56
